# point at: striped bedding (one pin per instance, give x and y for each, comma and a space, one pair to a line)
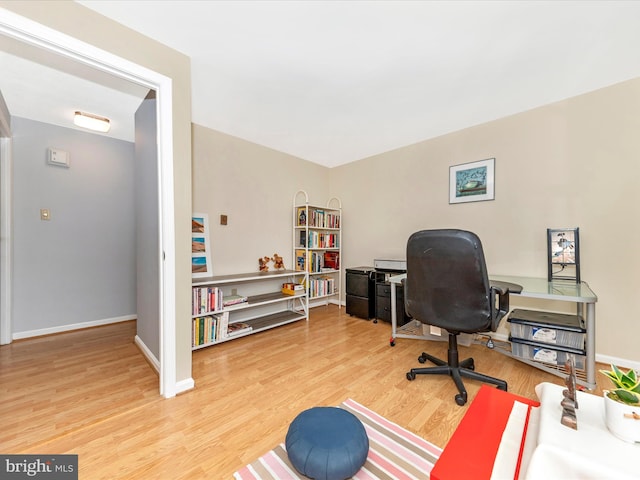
394, 453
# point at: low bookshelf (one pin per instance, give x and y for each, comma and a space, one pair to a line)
226, 307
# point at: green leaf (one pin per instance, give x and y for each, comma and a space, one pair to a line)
627, 397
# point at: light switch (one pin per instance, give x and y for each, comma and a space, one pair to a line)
58, 157
45, 214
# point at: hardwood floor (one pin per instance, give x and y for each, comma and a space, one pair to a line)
92, 393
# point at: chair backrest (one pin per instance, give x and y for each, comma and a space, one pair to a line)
447, 283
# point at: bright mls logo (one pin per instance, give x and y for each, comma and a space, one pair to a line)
50, 467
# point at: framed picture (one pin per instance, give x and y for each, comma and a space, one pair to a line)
563, 254
200, 246
472, 182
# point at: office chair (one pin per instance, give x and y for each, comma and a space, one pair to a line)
447, 286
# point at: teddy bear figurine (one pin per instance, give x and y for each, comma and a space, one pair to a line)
278, 262
264, 264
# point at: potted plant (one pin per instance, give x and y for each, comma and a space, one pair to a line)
622, 404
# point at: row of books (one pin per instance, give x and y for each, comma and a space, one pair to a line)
320, 287
319, 240
317, 218
317, 261
209, 329
212, 328
211, 299
206, 299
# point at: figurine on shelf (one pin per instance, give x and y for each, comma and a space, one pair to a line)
278, 262
264, 264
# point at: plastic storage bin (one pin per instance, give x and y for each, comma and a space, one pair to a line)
545, 353
548, 327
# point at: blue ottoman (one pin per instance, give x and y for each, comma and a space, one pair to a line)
327, 443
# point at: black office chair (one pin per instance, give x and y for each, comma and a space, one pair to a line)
447, 286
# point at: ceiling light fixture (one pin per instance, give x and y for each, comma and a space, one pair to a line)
92, 122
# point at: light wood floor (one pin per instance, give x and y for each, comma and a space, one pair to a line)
91, 393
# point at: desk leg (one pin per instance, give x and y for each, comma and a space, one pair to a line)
394, 320
591, 345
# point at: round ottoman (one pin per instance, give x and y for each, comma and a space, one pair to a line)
327, 443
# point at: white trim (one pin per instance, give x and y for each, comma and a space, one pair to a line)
620, 362
73, 326
184, 385
33, 33
151, 358
6, 239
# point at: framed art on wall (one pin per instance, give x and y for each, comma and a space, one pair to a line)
200, 246
472, 182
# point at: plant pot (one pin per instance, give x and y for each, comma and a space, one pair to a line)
622, 420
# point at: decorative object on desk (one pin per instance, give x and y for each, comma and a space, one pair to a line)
563, 254
278, 262
200, 246
569, 401
472, 182
622, 405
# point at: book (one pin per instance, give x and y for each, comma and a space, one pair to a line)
302, 216
223, 324
238, 328
301, 260
233, 300
332, 260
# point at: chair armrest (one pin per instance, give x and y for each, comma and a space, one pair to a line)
505, 287
502, 290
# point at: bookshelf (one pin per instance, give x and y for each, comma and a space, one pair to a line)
226, 307
317, 243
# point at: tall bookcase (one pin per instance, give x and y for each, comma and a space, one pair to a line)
317, 243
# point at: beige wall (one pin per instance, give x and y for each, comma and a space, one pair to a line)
254, 186
570, 164
79, 22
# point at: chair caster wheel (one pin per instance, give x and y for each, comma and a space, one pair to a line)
461, 399
472, 366
422, 358
411, 376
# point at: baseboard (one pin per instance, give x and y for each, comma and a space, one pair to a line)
74, 326
148, 354
184, 385
619, 362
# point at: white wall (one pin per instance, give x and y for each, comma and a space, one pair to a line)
569, 164
254, 186
79, 266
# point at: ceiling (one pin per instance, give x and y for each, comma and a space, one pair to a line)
336, 81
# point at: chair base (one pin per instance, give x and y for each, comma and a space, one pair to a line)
455, 369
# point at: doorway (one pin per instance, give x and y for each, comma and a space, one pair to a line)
34, 34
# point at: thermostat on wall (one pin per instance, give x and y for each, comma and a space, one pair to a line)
58, 157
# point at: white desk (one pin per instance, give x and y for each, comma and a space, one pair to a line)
565, 291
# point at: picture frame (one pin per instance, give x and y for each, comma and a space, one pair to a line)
563, 254
200, 246
472, 182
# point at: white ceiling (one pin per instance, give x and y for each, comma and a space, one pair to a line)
336, 81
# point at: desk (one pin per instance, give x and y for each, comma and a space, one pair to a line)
565, 291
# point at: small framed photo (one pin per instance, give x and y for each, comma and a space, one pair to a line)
563, 254
200, 246
472, 182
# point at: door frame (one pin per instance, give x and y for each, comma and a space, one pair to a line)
36, 34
